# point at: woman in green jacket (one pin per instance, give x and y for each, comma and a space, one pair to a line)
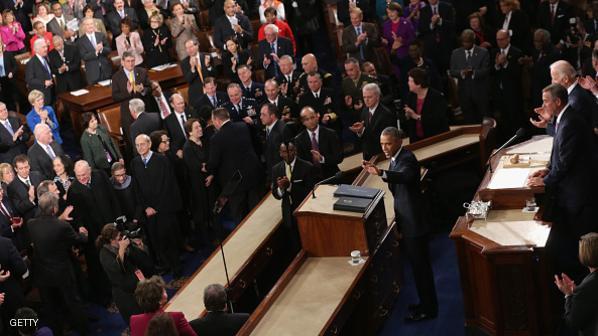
98, 148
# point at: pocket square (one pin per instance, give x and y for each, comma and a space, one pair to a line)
297, 181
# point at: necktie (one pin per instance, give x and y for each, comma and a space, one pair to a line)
435, 10
122, 14
183, 124
132, 81
361, 53
212, 100
50, 152
467, 55
267, 133
552, 13
317, 95
8, 127
273, 50
62, 25
199, 67
27, 182
2, 73
47, 66
92, 39
144, 162
289, 79
315, 146
288, 171
163, 107
370, 116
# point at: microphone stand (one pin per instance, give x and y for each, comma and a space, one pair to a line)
510, 141
335, 176
218, 206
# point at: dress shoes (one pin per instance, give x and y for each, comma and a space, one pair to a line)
417, 316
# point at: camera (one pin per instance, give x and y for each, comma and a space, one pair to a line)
573, 34
127, 228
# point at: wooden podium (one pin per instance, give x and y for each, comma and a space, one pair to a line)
504, 276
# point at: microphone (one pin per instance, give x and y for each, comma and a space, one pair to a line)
336, 176
518, 135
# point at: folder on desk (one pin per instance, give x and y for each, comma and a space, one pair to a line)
353, 204
347, 190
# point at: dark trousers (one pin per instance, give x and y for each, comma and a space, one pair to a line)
163, 232
126, 303
416, 251
60, 301
243, 201
474, 104
99, 285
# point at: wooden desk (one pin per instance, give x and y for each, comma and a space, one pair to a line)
101, 96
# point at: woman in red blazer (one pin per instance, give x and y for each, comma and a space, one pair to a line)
151, 296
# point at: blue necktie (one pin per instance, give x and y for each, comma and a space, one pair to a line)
275, 65
361, 53
144, 162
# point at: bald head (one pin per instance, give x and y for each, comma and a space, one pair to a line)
309, 63
562, 72
83, 172
503, 38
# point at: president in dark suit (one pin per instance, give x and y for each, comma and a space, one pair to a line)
196, 68
569, 181
374, 118
143, 122
38, 74
94, 49
232, 24
65, 62
318, 145
43, 152
403, 178
217, 322
231, 151
22, 188
53, 271
292, 180
13, 138
271, 49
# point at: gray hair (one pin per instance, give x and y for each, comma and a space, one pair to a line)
214, 297
545, 34
144, 137
136, 105
40, 128
564, 68
56, 37
48, 204
44, 187
468, 34
271, 27
82, 164
286, 57
38, 44
372, 87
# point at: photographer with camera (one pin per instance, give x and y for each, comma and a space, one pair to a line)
125, 261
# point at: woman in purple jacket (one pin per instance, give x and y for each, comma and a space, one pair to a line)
397, 35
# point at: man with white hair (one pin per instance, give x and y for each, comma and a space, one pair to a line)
13, 138
44, 151
271, 49
65, 62
94, 49
143, 123
38, 73
580, 99
95, 204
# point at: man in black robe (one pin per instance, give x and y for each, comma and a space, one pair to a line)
158, 195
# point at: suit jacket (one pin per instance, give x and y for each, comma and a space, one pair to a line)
272, 141
223, 30
95, 205
572, 164
254, 92
204, 106
433, 117
560, 25
9, 148
113, 20
193, 78
440, 38
231, 150
97, 67
146, 123
71, 79
518, 28
285, 106
329, 146
11, 261
35, 76
140, 322
477, 84
10, 64
343, 11
368, 47
177, 134
584, 103
54, 27
248, 108
325, 103
219, 324
581, 307
403, 181
302, 182
507, 78
40, 160
284, 46
156, 55
5, 222
52, 241
136, 47
293, 87
19, 194
370, 138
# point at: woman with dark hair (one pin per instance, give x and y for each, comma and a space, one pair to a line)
483, 35
88, 12
581, 302
151, 297
183, 28
129, 41
234, 56
160, 142
98, 147
117, 262
157, 42
397, 35
161, 325
425, 109
195, 156
63, 167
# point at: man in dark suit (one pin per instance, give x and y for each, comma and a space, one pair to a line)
351, 87
94, 49
403, 177
95, 205
271, 49
360, 39
344, 10
196, 67
52, 241
44, 151
232, 24
217, 322
21, 190
11, 272
65, 62
210, 99
542, 56
13, 138
570, 180
554, 15
292, 180
319, 145
38, 74
516, 23
374, 119
470, 66
113, 18
508, 95
322, 100
58, 25
231, 151
12, 224
8, 93
252, 90
128, 83
437, 30
160, 199
239, 107
287, 109
276, 133
175, 123
288, 78
143, 122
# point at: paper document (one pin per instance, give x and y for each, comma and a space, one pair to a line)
106, 82
509, 178
78, 93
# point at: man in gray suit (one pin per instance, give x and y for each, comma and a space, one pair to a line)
360, 38
94, 49
470, 65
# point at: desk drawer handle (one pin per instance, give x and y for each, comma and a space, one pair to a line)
269, 251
